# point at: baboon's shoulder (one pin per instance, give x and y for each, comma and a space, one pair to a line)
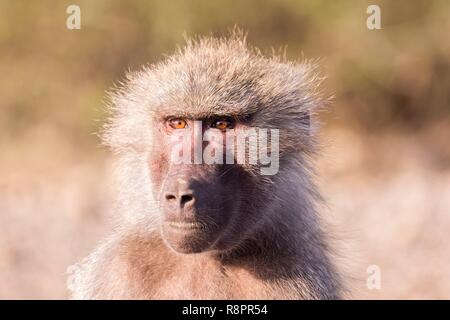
124, 266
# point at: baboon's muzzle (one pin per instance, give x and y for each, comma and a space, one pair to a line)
196, 205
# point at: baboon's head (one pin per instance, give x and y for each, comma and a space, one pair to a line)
200, 155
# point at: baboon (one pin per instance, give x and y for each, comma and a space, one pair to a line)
213, 231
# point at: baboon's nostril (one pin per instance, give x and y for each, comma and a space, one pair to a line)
170, 197
179, 200
185, 199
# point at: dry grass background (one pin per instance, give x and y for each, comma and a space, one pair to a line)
385, 168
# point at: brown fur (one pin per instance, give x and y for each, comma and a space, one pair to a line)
276, 247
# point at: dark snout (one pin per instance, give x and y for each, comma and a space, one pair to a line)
195, 206
179, 198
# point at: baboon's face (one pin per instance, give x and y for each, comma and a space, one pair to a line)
226, 87
199, 203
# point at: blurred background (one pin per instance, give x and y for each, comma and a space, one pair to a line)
385, 168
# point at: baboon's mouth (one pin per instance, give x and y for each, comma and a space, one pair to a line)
187, 237
184, 226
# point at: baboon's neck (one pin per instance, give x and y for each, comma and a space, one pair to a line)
274, 241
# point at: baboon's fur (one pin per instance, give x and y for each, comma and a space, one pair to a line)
283, 255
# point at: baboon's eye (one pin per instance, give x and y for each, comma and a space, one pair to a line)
222, 124
177, 123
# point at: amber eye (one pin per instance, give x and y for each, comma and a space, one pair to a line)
222, 124
177, 123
